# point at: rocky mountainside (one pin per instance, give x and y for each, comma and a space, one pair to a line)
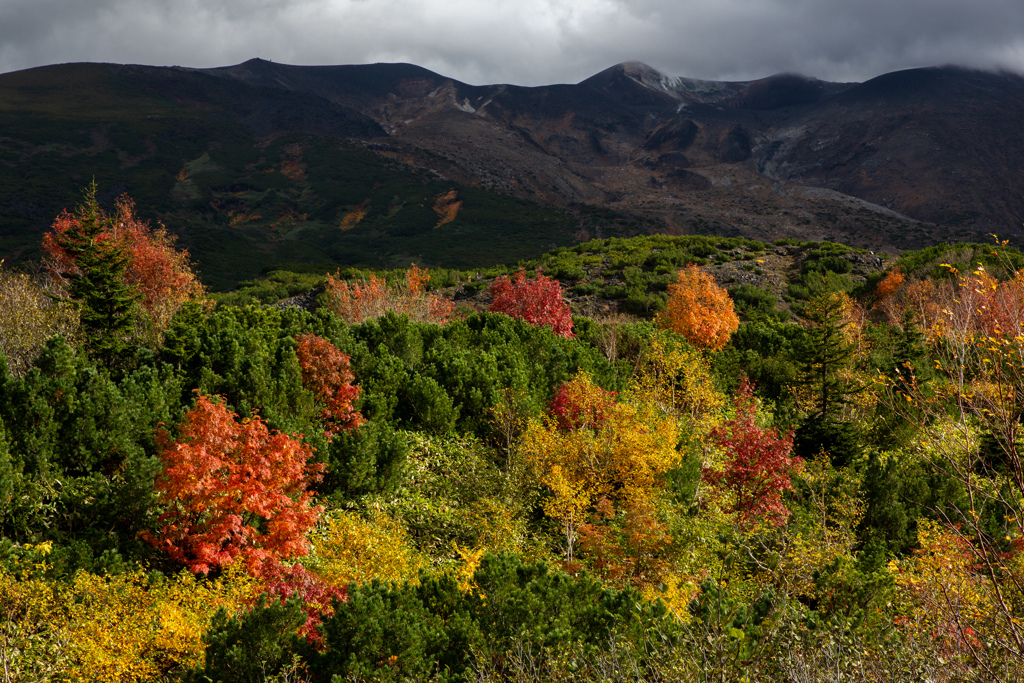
939, 146
262, 163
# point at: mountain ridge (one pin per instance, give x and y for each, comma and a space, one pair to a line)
899, 161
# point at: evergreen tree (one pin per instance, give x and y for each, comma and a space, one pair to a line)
824, 355
107, 305
910, 354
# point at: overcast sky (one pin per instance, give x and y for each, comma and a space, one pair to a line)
527, 42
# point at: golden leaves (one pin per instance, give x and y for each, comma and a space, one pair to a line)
354, 215
621, 457
350, 548
111, 628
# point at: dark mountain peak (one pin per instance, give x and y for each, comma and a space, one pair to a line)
367, 79
784, 90
637, 84
945, 85
641, 72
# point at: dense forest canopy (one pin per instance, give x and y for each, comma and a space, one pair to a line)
446, 475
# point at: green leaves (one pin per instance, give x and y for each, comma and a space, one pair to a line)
83, 251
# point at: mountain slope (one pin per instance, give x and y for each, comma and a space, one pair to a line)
260, 164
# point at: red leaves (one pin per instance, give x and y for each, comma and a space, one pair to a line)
233, 489
317, 596
160, 272
325, 372
578, 404
538, 301
759, 463
358, 302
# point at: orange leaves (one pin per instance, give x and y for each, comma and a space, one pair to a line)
355, 303
889, 284
950, 596
1003, 313
960, 308
352, 218
699, 310
233, 489
538, 301
160, 272
447, 206
325, 372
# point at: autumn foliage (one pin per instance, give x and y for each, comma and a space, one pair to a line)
233, 489
538, 301
889, 284
325, 372
960, 307
106, 629
579, 405
159, 271
758, 465
593, 451
283, 583
447, 206
699, 310
357, 302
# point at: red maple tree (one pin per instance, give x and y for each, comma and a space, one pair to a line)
759, 463
326, 372
538, 301
233, 489
578, 404
318, 597
160, 272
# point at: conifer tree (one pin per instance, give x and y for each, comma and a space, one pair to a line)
826, 356
97, 284
826, 353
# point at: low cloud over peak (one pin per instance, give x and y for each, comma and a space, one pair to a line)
530, 42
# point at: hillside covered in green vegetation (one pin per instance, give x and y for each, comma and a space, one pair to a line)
746, 461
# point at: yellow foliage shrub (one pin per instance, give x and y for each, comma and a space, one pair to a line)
677, 379
619, 454
948, 598
29, 315
112, 629
349, 548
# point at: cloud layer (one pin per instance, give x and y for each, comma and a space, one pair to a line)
528, 42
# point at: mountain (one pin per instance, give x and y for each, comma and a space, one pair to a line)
261, 163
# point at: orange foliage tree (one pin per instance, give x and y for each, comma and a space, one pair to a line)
889, 284
538, 301
326, 372
157, 270
699, 310
356, 302
233, 489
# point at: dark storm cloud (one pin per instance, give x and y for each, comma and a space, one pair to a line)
525, 41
